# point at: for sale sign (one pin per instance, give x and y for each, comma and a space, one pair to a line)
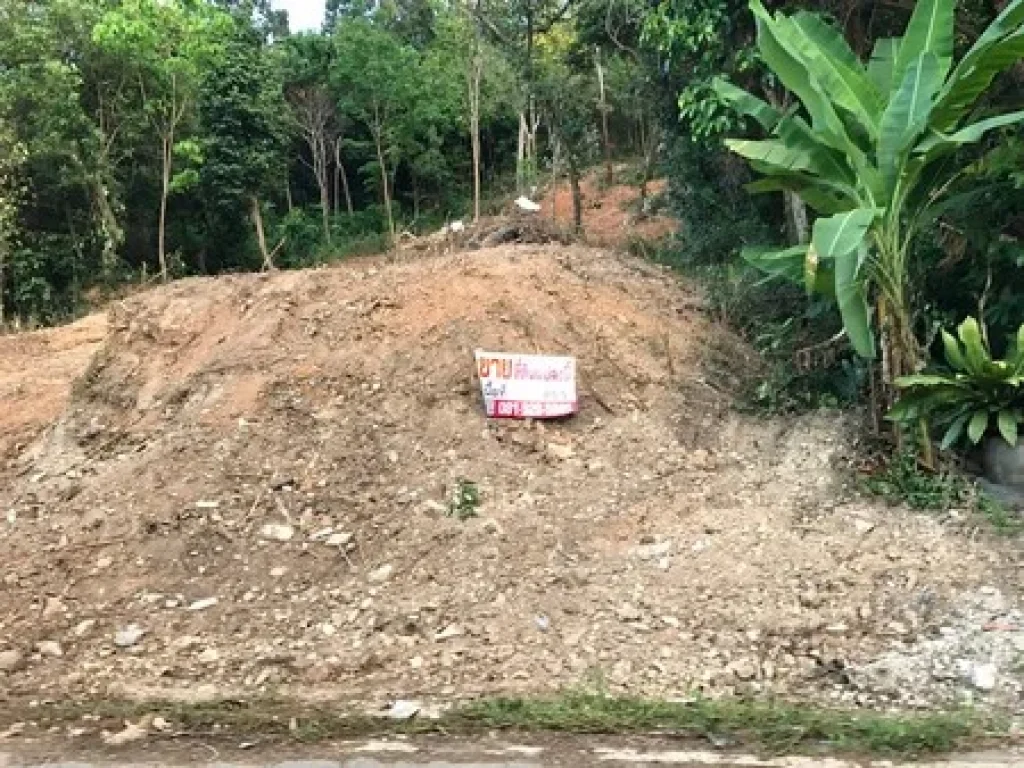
527, 386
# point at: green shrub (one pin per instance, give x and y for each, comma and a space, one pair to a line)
970, 397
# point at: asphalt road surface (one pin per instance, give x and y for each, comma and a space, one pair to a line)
580, 752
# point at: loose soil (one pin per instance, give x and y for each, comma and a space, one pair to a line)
611, 215
252, 475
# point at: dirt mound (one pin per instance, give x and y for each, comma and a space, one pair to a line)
36, 371
248, 492
610, 212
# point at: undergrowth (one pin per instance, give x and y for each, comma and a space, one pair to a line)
762, 725
904, 481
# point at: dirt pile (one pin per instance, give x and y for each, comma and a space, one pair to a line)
247, 493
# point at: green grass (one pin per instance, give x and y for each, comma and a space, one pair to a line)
764, 726
772, 727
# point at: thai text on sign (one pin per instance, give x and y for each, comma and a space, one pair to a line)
527, 386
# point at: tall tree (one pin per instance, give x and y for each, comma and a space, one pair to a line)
165, 44
374, 76
307, 62
243, 113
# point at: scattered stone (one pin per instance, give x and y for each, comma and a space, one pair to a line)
628, 612
452, 630
543, 623
744, 669
209, 656
339, 539
83, 628
403, 710
162, 725
277, 532
11, 661
50, 648
380, 575
560, 451
278, 571
207, 504
202, 605
653, 551
983, 676
104, 562
54, 607
132, 732
129, 636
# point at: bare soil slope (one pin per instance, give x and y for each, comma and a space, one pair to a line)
246, 494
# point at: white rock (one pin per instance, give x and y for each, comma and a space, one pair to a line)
452, 630
50, 648
11, 661
654, 551
380, 575
983, 676
207, 504
403, 709
526, 204
278, 571
277, 532
104, 562
83, 627
132, 732
54, 607
209, 656
129, 636
457, 226
339, 539
202, 605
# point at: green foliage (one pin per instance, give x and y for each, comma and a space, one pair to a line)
465, 500
864, 150
974, 396
903, 481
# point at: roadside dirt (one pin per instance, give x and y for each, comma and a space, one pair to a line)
245, 495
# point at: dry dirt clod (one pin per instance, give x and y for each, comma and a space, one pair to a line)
11, 661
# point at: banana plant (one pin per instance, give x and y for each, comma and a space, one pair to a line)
868, 147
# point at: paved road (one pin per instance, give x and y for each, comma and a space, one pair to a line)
571, 753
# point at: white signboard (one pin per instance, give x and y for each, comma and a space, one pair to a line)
527, 386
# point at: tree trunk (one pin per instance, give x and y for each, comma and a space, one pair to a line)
384, 181
288, 195
257, 220
339, 168
325, 198
556, 160
651, 137
113, 233
604, 108
577, 198
796, 218
165, 189
475, 75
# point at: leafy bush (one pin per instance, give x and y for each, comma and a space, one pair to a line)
973, 394
869, 150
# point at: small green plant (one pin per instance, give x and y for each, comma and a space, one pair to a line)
465, 501
903, 481
973, 395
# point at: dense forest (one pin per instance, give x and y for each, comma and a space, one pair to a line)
147, 139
